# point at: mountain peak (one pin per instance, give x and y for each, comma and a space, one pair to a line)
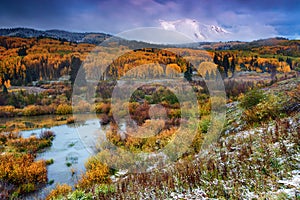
195, 30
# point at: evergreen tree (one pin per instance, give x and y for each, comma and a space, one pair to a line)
232, 66
216, 59
289, 61
4, 89
226, 65
77, 72
188, 73
243, 67
22, 51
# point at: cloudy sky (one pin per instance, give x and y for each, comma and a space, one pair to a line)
244, 19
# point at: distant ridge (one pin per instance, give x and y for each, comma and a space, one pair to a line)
87, 37
98, 38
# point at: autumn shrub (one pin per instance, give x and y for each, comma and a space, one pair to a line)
252, 98
266, 110
9, 109
79, 194
48, 135
4, 137
204, 125
234, 88
204, 108
132, 106
104, 189
49, 162
116, 159
149, 137
33, 110
141, 113
174, 113
82, 107
197, 142
97, 173
26, 188
48, 109
21, 169
59, 191
31, 144
64, 109
71, 120
17, 164
102, 108
293, 104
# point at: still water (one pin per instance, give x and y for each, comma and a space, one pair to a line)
71, 147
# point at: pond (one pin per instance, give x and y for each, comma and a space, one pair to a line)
69, 151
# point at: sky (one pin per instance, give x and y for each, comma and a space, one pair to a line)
242, 19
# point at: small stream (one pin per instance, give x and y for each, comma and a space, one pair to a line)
68, 151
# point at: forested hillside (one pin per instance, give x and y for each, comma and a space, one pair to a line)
23, 60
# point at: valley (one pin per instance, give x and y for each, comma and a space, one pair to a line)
115, 121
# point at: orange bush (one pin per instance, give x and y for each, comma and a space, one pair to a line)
102, 108
97, 173
83, 107
64, 109
60, 190
21, 168
18, 166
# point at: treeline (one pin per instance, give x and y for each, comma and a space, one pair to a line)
228, 62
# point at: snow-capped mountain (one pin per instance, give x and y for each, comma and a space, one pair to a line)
196, 30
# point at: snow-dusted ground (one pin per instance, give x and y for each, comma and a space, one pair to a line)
284, 181
286, 187
292, 184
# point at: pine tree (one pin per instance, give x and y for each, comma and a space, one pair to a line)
77, 72
232, 66
226, 65
289, 61
188, 73
216, 59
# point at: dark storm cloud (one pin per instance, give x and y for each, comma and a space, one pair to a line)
32, 13
240, 16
